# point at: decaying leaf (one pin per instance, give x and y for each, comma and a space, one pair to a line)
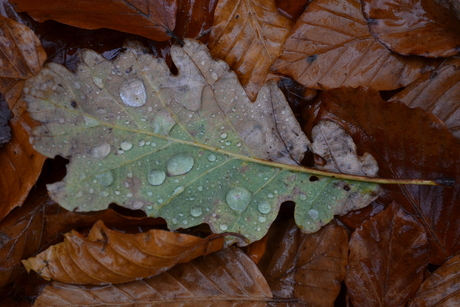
109, 256
248, 35
388, 257
338, 150
154, 19
407, 143
414, 27
23, 232
22, 55
189, 148
225, 278
441, 288
20, 164
437, 92
331, 46
308, 268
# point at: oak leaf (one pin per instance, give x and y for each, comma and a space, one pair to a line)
154, 19
437, 92
331, 46
248, 35
414, 27
189, 148
407, 143
388, 257
225, 278
109, 256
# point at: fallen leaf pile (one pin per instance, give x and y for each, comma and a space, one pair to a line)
230, 152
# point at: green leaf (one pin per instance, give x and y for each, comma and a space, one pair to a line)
189, 148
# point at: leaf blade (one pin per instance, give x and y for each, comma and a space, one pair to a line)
189, 148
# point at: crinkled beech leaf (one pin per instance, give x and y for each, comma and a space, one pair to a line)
189, 148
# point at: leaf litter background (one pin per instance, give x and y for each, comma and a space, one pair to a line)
406, 142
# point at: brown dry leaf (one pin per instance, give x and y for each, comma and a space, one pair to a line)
108, 256
248, 35
407, 143
437, 92
225, 278
20, 163
22, 55
154, 19
40, 222
306, 267
388, 257
292, 8
414, 27
442, 288
331, 46
22, 233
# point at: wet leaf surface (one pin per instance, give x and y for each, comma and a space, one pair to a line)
22, 234
437, 92
441, 288
330, 46
308, 268
22, 55
19, 162
415, 27
188, 148
152, 19
407, 143
225, 278
388, 257
248, 35
108, 256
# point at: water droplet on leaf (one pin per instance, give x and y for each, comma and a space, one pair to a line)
313, 214
238, 198
132, 93
180, 164
126, 145
262, 219
264, 207
156, 177
100, 151
223, 227
105, 179
212, 157
196, 211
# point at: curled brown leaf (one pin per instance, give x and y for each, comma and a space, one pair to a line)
108, 256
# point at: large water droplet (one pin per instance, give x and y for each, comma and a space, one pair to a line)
196, 211
137, 205
313, 214
90, 122
126, 145
100, 151
156, 177
223, 227
132, 92
163, 122
180, 164
98, 82
105, 179
264, 207
238, 198
212, 157
178, 190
